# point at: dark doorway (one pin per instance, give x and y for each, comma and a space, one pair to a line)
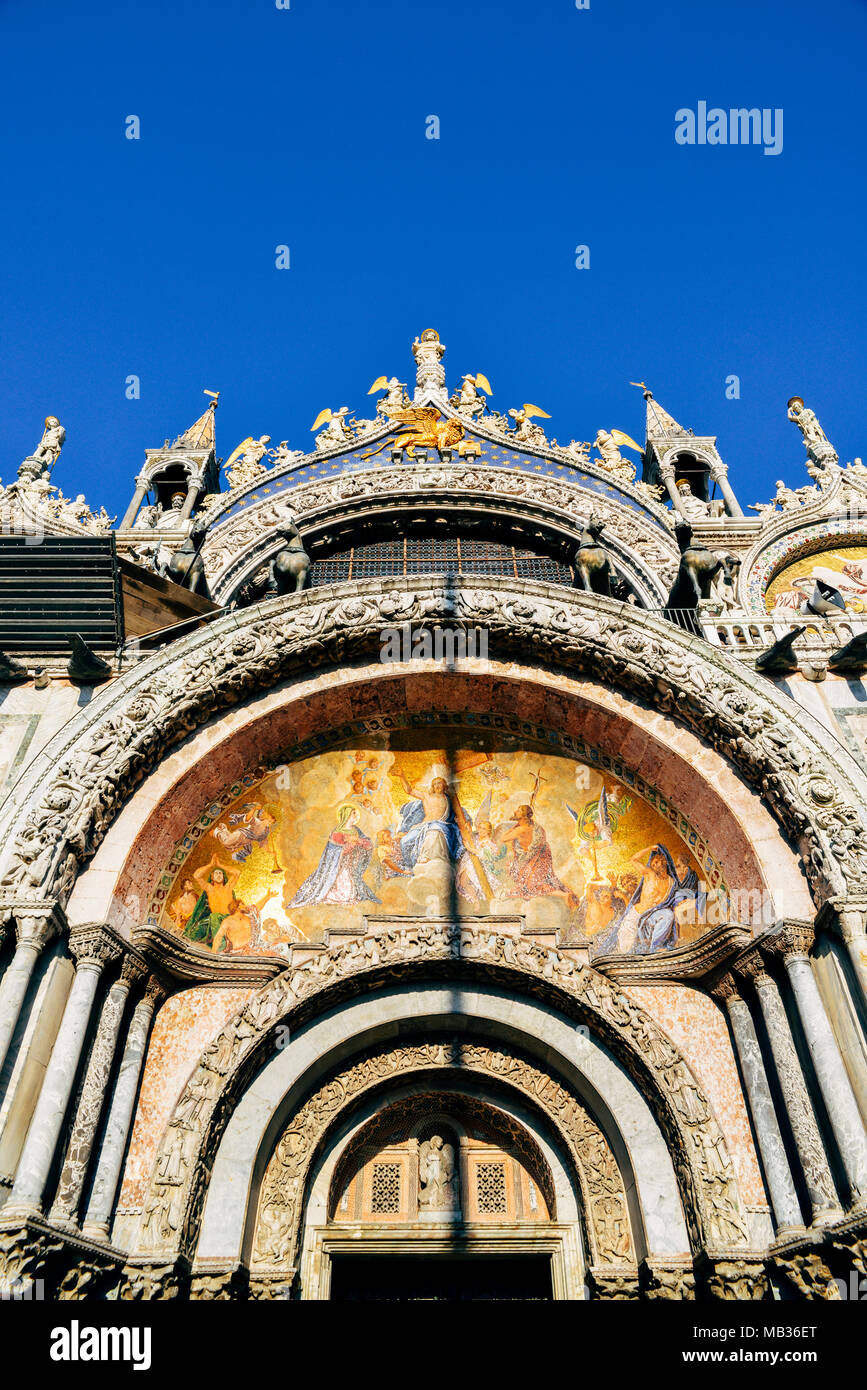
407, 1280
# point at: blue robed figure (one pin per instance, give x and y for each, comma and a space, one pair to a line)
429, 814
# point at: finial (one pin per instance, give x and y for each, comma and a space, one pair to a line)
648, 395
215, 398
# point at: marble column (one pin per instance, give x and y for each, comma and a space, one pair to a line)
814, 1161
666, 473
719, 473
32, 935
793, 945
92, 949
98, 1218
194, 487
851, 925
784, 1199
64, 1212
142, 484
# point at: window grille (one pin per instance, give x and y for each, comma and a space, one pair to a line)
385, 1187
437, 555
491, 1187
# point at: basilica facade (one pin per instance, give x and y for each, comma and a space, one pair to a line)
433, 865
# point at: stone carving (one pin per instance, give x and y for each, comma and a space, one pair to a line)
704, 1169
72, 790
645, 549
395, 398
438, 1183
469, 400
611, 458
692, 507
430, 375
47, 451
336, 430
786, 498
816, 441
525, 431
244, 465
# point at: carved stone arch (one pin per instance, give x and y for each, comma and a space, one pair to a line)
790, 537
413, 953
58, 812
641, 544
603, 1208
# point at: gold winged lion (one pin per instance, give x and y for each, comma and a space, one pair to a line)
420, 426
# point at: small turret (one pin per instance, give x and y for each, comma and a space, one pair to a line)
687, 465
178, 475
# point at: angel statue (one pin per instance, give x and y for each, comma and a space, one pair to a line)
395, 397
437, 1178
468, 400
283, 456
609, 442
524, 429
336, 431
244, 465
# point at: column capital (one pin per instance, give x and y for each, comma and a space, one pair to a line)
36, 923
790, 940
717, 470
133, 969
155, 992
751, 966
96, 945
725, 989
666, 470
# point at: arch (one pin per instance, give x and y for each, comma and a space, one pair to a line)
335, 1002
59, 811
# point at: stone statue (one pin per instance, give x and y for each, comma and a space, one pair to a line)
437, 1178
336, 430
524, 429
146, 519
692, 507
430, 375
593, 569
579, 450
244, 465
468, 400
697, 571
47, 451
283, 456
395, 398
787, 498
816, 441
169, 518
611, 458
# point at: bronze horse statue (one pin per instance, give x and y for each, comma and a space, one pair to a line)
186, 567
291, 564
594, 571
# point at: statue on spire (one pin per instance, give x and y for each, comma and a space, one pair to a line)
816, 442
430, 374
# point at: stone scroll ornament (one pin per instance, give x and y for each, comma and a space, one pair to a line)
602, 1189
57, 814
706, 1176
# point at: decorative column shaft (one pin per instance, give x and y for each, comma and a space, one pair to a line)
141, 487
666, 473
719, 473
92, 949
814, 1161
32, 936
64, 1212
193, 489
852, 931
793, 945
784, 1199
98, 1218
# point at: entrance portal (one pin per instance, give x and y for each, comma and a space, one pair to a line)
524, 1278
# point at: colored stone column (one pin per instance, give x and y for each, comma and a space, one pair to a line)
92, 949
141, 487
98, 1218
793, 944
64, 1212
814, 1161
784, 1199
32, 934
719, 473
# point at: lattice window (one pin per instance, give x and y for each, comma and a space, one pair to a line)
436, 555
491, 1187
385, 1187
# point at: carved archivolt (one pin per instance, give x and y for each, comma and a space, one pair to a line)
704, 1168
58, 812
235, 549
603, 1194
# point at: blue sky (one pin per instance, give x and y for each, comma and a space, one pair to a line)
306, 127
